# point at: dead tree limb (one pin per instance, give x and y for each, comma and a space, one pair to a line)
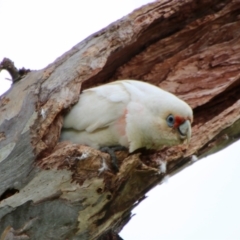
53, 190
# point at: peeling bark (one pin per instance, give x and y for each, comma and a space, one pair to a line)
54, 190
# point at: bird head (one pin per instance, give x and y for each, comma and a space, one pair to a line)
180, 126
172, 119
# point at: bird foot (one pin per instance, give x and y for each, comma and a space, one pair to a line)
111, 151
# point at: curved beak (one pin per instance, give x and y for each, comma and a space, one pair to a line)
185, 130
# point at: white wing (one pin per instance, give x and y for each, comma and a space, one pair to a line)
98, 108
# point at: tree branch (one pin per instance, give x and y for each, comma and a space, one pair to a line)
9, 66
189, 48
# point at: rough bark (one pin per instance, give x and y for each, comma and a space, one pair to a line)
54, 190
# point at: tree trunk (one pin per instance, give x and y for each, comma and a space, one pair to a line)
54, 190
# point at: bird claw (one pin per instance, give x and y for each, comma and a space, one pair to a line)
111, 152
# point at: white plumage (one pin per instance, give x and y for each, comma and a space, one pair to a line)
130, 113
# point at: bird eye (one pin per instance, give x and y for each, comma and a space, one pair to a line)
170, 120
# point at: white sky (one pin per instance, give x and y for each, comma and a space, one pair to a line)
200, 203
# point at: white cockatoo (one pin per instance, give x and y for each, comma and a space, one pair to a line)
128, 113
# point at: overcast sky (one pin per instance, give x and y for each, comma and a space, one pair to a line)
200, 203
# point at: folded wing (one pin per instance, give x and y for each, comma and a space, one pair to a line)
97, 108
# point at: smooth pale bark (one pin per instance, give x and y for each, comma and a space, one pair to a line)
52, 190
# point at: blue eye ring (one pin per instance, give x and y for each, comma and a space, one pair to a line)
170, 120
